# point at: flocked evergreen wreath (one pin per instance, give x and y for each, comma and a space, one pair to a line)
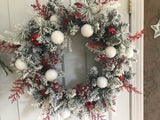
43, 41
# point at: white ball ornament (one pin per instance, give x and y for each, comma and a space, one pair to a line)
20, 64
102, 82
57, 37
51, 75
65, 113
110, 52
87, 30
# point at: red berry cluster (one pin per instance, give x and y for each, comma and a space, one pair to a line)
56, 87
83, 91
48, 62
106, 61
55, 59
90, 104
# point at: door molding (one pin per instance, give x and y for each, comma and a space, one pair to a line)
136, 101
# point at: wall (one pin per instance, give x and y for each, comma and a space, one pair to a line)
151, 62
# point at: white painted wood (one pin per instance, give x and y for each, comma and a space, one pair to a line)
20, 10
122, 108
8, 111
28, 109
137, 103
4, 17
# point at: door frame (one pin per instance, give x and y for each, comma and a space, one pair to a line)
137, 101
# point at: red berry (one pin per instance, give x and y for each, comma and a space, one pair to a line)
51, 53
78, 5
104, 58
71, 18
56, 59
51, 59
82, 88
57, 83
89, 104
121, 78
82, 93
87, 92
111, 31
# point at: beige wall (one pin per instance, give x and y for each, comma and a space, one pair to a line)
152, 62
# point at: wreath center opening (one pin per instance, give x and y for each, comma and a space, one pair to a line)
76, 62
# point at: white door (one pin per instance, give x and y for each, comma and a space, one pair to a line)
14, 12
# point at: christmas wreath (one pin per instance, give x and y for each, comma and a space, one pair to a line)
42, 42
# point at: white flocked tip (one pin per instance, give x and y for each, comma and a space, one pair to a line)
57, 37
51, 75
129, 53
87, 30
65, 113
54, 18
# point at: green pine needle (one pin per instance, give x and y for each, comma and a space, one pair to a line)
5, 68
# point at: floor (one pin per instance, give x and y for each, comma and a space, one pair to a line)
151, 62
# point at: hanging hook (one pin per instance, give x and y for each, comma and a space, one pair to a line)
130, 8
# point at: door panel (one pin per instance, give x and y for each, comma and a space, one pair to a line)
123, 101
8, 111
76, 64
